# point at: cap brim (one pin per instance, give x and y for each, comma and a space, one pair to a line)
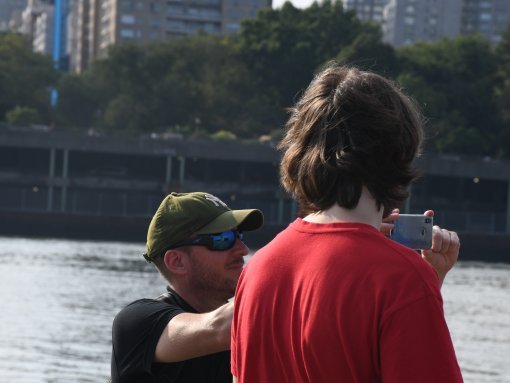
245, 220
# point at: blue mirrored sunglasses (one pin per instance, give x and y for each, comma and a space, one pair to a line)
215, 242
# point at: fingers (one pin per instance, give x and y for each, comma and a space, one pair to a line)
386, 228
444, 241
429, 213
454, 242
444, 252
440, 239
387, 225
392, 216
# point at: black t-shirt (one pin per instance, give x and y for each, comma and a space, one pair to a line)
136, 331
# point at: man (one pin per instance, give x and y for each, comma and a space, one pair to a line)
331, 299
196, 243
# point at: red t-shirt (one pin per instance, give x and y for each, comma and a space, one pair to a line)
340, 302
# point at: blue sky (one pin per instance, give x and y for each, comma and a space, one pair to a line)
296, 3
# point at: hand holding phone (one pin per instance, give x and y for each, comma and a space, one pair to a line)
413, 231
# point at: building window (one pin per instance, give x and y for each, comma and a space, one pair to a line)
176, 24
211, 27
127, 19
232, 27
485, 17
127, 33
408, 20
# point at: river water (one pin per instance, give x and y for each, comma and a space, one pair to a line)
58, 299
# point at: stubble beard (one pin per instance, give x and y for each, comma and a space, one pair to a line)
210, 285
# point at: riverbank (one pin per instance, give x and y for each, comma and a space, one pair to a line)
483, 247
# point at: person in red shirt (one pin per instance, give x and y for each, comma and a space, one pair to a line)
331, 298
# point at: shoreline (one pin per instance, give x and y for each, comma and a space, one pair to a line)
485, 247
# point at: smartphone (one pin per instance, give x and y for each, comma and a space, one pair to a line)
413, 231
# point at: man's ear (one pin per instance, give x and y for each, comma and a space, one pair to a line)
176, 261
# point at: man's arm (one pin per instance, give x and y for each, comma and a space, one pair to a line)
190, 335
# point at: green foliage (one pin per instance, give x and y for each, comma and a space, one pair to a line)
241, 85
25, 77
224, 135
368, 52
198, 82
23, 116
502, 91
79, 101
283, 48
454, 81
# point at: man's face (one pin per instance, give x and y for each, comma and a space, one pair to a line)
216, 272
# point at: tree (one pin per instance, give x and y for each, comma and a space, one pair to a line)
284, 47
368, 52
502, 90
79, 101
25, 77
122, 80
229, 97
191, 84
455, 81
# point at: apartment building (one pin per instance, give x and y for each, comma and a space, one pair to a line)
100, 24
8, 8
487, 17
408, 21
43, 31
37, 22
367, 10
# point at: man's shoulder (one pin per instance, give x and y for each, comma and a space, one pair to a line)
147, 310
143, 304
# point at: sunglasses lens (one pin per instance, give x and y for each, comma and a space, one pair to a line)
225, 240
219, 242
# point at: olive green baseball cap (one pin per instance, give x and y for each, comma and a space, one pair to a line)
182, 215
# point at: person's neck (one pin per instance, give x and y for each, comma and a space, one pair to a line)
365, 212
